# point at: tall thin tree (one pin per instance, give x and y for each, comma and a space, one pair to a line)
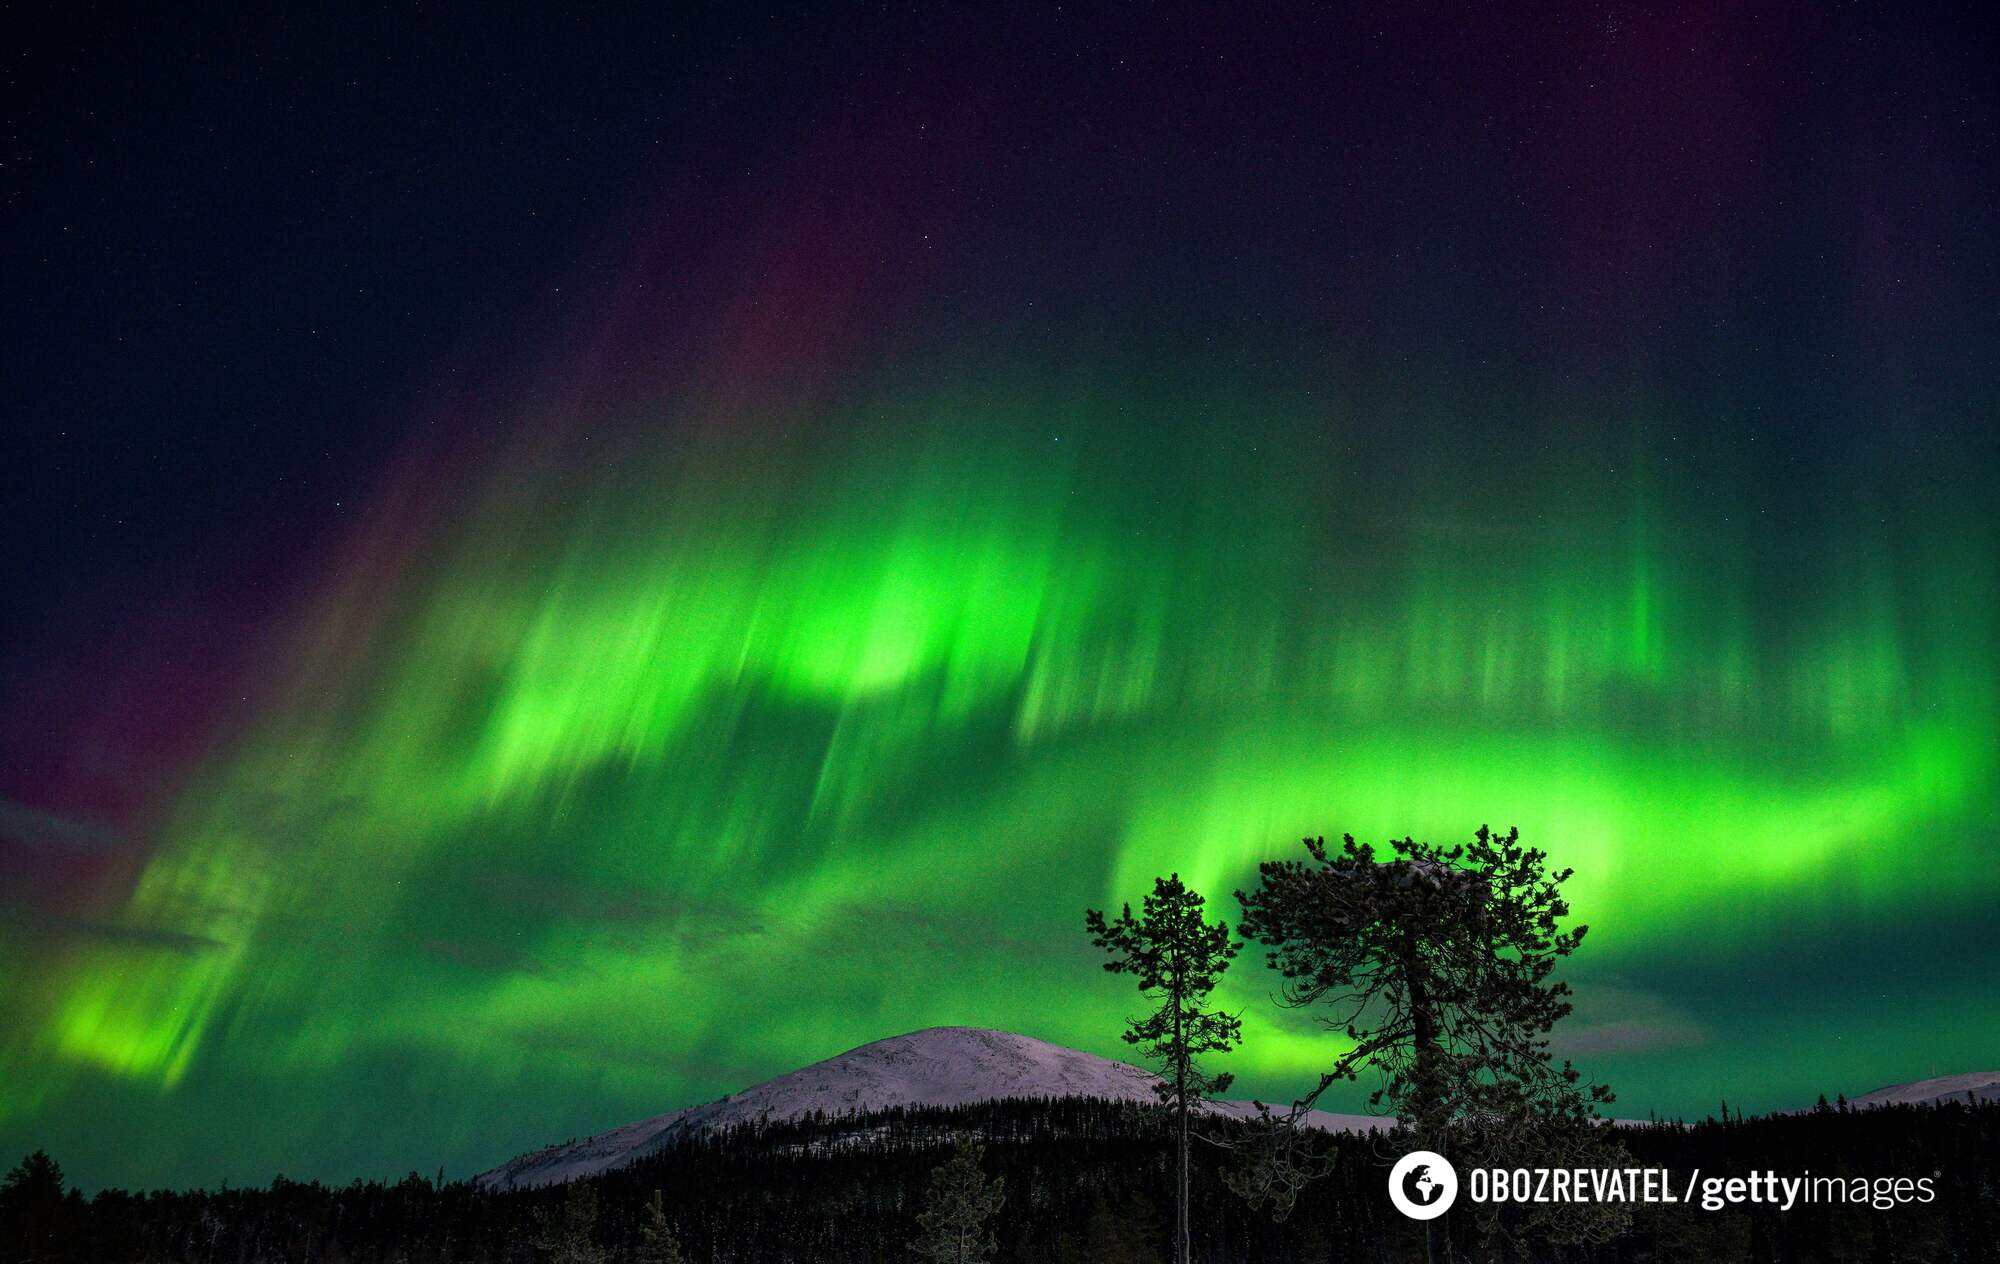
1178, 957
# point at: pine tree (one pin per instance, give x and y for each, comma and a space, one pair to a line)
1178, 957
657, 1243
1435, 963
956, 1221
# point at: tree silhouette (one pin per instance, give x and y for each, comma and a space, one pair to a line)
1435, 963
34, 1212
1178, 957
959, 1209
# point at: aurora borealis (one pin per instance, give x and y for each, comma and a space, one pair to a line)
973, 490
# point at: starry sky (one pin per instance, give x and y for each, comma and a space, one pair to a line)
554, 570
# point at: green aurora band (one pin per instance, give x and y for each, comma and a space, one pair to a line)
680, 740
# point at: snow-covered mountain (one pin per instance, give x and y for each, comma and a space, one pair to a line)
958, 1066
940, 1066
1980, 1085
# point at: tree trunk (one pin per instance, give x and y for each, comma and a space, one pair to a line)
1423, 1027
1182, 1254
1423, 1023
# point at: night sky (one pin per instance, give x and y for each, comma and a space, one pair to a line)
554, 571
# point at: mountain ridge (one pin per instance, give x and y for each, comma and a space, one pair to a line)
934, 1066
958, 1066
1980, 1085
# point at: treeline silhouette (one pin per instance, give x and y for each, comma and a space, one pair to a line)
1081, 1180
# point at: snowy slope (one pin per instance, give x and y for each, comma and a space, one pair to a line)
1982, 1085
940, 1066
957, 1066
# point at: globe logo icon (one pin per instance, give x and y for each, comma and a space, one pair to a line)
1419, 1188
1423, 1185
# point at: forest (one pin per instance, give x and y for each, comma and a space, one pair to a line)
1081, 1181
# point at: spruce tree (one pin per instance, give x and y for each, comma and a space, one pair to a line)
657, 1243
956, 1222
1178, 957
